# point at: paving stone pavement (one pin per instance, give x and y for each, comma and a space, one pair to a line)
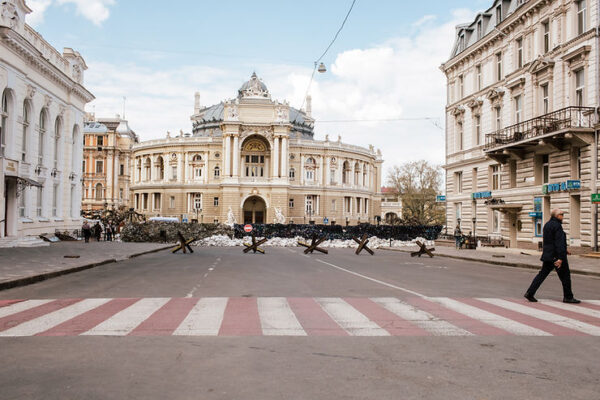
20, 266
511, 257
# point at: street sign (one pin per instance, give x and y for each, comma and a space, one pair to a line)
325, 220
595, 197
440, 199
184, 220
248, 228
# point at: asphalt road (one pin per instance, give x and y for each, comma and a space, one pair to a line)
154, 365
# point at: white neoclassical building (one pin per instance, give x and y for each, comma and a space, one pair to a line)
41, 121
256, 160
522, 121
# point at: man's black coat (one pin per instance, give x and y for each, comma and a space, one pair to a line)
555, 241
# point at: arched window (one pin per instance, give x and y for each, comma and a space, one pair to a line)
292, 173
99, 195
310, 169
356, 173
26, 121
160, 168
42, 137
197, 158
346, 173
147, 169
57, 134
4, 114
217, 171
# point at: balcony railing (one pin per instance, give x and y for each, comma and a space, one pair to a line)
566, 118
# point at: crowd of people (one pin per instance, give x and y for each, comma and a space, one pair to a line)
95, 231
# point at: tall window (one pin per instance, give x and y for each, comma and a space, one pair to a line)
122, 169
479, 30
55, 201
545, 168
157, 201
172, 202
38, 205
495, 177
581, 17
217, 172
546, 33
3, 121
496, 221
478, 77
458, 181
461, 86
311, 205
459, 136
57, 129
198, 201
545, 99
498, 111
332, 180
43, 117
499, 75
100, 140
498, 14
174, 172
255, 165
25, 131
477, 129
99, 166
310, 169
333, 206
215, 201
520, 53
292, 174
198, 172
291, 203
579, 87
461, 42
518, 109
21, 203
99, 191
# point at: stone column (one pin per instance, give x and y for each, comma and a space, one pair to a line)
236, 155
275, 157
301, 172
321, 170
284, 157
180, 166
187, 174
227, 156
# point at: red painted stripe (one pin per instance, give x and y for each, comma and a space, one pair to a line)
546, 326
166, 319
314, 320
588, 319
460, 320
13, 320
88, 320
389, 321
4, 303
590, 305
241, 318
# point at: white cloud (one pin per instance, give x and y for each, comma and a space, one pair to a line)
397, 79
96, 11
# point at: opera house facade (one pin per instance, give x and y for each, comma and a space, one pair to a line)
255, 160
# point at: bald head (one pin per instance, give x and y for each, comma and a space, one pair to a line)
557, 213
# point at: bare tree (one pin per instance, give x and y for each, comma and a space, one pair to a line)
417, 183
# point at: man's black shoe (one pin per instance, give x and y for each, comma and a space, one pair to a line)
571, 301
530, 298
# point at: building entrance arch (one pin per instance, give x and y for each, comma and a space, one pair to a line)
255, 210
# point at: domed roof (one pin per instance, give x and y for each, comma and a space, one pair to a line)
254, 88
124, 129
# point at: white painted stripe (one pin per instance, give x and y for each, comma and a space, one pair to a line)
277, 318
128, 319
490, 318
421, 318
547, 316
21, 306
349, 318
596, 302
572, 307
50, 320
204, 319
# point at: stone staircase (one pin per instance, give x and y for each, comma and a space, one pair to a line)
27, 241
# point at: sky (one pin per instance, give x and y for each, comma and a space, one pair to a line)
384, 65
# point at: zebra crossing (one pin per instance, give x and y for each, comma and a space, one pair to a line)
288, 316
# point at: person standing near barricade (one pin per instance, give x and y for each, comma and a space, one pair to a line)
458, 237
554, 256
97, 231
86, 231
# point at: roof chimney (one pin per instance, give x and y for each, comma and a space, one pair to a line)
197, 103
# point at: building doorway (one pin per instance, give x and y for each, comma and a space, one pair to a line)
512, 229
254, 210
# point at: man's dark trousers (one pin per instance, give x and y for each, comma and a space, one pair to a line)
563, 273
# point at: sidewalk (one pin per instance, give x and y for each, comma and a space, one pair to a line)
518, 258
24, 266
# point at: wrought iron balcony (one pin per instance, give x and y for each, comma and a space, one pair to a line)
575, 119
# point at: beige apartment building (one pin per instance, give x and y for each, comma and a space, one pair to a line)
521, 121
106, 162
255, 160
41, 121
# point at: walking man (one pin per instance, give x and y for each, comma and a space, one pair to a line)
554, 256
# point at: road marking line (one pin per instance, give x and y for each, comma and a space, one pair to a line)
349, 318
277, 318
123, 322
572, 307
422, 319
596, 302
50, 320
373, 279
241, 318
22, 306
204, 319
546, 316
490, 318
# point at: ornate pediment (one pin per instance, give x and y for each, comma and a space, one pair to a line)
540, 64
255, 145
518, 83
578, 55
495, 93
458, 111
475, 103
249, 130
12, 13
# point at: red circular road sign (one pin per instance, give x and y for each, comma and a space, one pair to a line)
248, 228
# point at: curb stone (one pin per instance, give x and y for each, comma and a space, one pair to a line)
501, 263
28, 280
